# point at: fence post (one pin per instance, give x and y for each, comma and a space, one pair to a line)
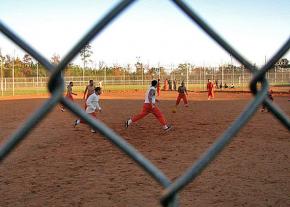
37, 74
204, 78
222, 77
282, 76
142, 70
213, 78
200, 78
13, 65
1, 76
187, 76
275, 74
243, 71
124, 78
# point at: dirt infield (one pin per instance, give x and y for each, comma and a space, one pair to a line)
59, 165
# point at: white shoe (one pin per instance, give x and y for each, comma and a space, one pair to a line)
93, 131
76, 122
169, 127
127, 124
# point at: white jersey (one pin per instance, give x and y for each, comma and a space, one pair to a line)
93, 103
150, 95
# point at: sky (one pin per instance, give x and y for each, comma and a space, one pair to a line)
154, 32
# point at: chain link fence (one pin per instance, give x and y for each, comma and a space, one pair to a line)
169, 196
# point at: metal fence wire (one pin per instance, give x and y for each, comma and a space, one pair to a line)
169, 196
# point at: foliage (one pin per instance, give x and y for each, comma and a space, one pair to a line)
27, 67
86, 53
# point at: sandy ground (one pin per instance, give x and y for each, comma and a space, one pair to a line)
58, 165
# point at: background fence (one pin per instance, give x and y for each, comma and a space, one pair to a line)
195, 81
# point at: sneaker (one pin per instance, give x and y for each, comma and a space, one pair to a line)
169, 127
93, 131
62, 110
76, 123
127, 124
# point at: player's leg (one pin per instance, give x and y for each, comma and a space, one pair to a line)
94, 115
209, 96
81, 121
178, 100
145, 111
70, 97
263, 107
184, 98
157, 113
62, 108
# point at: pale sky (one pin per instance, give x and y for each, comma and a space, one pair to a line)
155, 31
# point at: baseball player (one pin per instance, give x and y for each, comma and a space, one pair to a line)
92, 106
88, 91
69, 94
149, 106
182, 93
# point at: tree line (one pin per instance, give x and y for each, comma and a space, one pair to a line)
27, 67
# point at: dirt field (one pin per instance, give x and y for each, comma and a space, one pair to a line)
58, 165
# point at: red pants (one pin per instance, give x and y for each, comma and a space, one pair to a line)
147, 108
183, 97
94, 115
69, 96
210, 93
86, 102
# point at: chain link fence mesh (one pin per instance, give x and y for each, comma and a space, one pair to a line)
169, 196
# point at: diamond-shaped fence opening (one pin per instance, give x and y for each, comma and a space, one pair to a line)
169, 196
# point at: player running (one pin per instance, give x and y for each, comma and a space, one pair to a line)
149, 106
182, 93
210, 90
69, 94
92, 106
270, 96
88, 91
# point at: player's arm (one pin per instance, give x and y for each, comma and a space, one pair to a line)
73, 93
86, 90
98, 107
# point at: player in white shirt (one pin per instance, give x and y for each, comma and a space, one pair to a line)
149, 106
93, 105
